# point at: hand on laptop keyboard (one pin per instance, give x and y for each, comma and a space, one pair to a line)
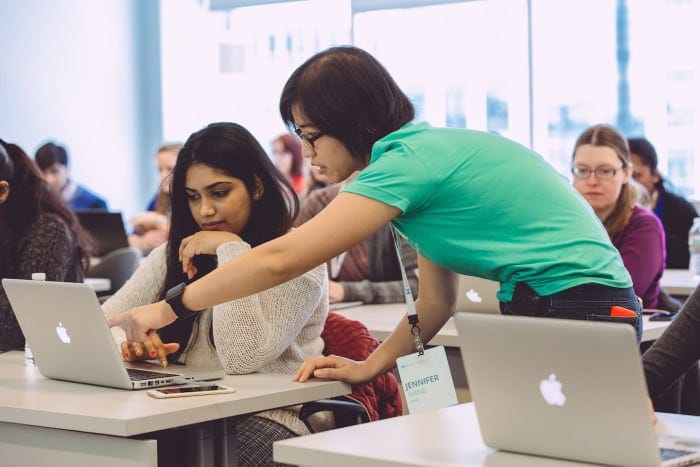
148, 350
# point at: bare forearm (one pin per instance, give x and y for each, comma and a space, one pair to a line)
292, 254
259, 269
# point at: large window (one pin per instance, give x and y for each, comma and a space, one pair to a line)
626, 63
537, 71
232, 65
463, 64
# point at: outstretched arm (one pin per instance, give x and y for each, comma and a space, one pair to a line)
347, 220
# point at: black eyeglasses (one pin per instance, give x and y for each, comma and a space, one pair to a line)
311, 139
601, 173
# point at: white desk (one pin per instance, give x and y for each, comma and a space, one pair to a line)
382, 319
445, 437
80, 425
99, 284
679, 281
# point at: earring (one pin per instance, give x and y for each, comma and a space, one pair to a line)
257, 195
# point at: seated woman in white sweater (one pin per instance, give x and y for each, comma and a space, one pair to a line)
227, 197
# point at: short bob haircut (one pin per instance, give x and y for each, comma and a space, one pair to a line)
347, 94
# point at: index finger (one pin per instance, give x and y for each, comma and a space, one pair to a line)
158, 346
115, 320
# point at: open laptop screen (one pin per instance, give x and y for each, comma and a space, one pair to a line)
106, 229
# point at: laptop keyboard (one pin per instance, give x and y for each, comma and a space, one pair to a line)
667, 453
136, 374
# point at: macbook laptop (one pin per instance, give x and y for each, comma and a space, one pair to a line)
564, 389
477, 295
106, 229
69, 336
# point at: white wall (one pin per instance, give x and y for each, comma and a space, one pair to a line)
72, 71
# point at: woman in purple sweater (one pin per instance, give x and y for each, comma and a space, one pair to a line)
603, 175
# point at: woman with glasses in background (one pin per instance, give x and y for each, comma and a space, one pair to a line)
603, 175
469, 202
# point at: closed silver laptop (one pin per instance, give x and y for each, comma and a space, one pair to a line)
477, 295
565, 389
69, 336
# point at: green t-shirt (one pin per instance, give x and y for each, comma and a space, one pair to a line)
482, 205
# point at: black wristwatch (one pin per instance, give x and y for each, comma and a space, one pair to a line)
173, 297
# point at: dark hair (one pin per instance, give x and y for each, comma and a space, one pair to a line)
646, 151
7, 168
231, 149
347, 94
607, 136
50, 154
30, 196
292, 145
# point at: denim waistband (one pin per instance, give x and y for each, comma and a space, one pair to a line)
578, 299
588, 291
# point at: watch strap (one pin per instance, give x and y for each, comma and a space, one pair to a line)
173, 297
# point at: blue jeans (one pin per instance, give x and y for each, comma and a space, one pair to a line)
590, 302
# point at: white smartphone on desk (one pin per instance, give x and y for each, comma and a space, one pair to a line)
185, 391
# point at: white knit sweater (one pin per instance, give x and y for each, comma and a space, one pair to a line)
269, 332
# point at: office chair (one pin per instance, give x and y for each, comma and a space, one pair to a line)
117, 266
372, 401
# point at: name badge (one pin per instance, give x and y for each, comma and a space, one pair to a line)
426, 380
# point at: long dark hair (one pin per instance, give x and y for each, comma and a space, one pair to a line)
347, 94
230, 148
31, 196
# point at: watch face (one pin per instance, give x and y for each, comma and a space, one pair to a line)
175, 291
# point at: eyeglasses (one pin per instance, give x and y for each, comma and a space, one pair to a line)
309, 139
601, 173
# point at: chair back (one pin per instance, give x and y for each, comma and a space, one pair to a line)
380, 398
351, 339
117, 266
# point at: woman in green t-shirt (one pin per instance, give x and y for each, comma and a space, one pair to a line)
469, 202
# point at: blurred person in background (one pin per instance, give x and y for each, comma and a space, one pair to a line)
286, 152
676, 213
316, 179
150, 228
38, 233
370, 271
52, 159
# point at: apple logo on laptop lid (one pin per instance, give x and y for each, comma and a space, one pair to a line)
62, 333
551, 391
473, 296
